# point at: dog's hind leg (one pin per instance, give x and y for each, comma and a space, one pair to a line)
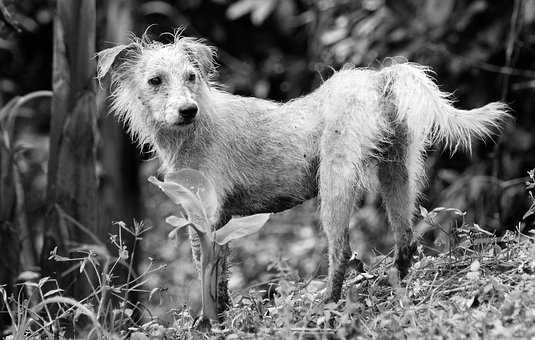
397, 172
336, 203
339, 172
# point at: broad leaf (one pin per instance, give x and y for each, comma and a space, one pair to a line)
178, 223
198, 184
188, 200
240, 227
423, 212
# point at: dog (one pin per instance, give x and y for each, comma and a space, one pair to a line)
362, 129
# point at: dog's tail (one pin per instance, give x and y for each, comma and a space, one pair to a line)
430, 114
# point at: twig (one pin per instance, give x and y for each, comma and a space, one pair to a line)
430, 297
434, 279
505, 70
454, 290
311, 330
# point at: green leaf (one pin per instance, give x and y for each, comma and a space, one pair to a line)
152, 292
240, 8
530, 212
82, 266
178, 223
240, 227
262, 11
52, 292
423, 212
187, 200
43, 281
198, 184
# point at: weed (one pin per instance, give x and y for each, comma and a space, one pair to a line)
106, 313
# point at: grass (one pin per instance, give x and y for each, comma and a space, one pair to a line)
484, 287
478, 285
486, 293
40, 308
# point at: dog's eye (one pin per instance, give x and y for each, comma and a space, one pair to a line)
191, 77
155, 81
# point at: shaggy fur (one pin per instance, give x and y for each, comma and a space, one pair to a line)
265, 156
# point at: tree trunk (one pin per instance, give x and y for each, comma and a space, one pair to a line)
119, 184
72, 180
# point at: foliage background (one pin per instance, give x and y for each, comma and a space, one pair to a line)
280, 49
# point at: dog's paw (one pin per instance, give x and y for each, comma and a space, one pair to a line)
328, 297
403, 259
355, 263
202, 324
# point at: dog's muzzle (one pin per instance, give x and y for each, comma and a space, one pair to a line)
187, 113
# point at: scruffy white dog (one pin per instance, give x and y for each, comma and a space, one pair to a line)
265, 156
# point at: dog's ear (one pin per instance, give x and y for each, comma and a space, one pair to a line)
111, 58
201, 55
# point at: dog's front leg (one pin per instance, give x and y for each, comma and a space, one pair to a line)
195, 248
196, 242
223, 300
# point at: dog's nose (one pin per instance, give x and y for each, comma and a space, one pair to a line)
188, 112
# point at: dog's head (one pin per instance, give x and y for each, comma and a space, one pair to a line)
158, 85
